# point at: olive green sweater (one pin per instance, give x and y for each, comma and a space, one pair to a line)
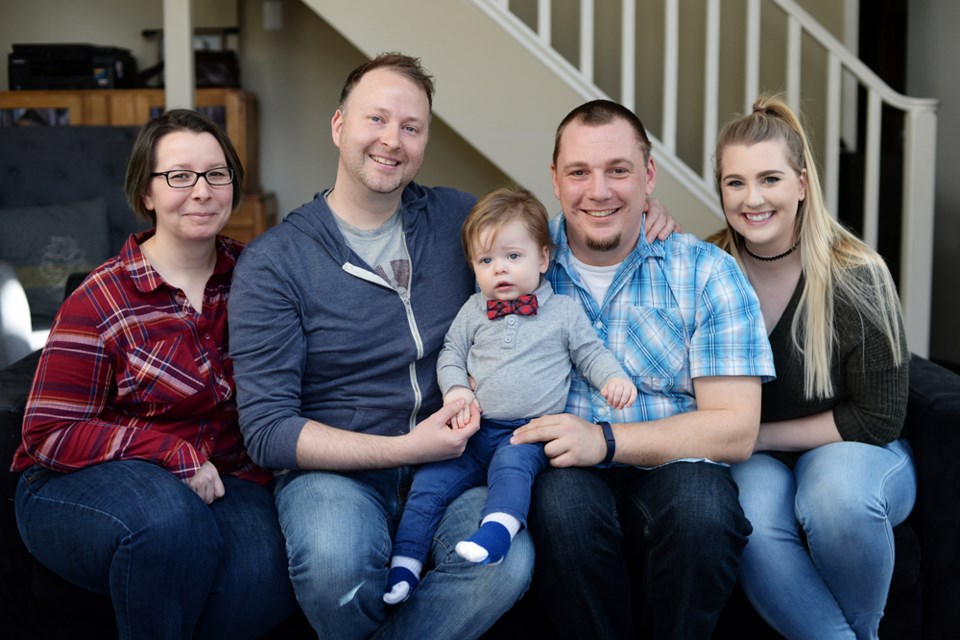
869, 399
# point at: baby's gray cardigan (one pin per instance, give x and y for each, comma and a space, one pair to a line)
522, 363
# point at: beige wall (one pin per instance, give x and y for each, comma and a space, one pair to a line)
297, 71
297, 74
650, 20
113, 23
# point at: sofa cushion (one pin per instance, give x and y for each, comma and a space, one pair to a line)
48, 243
50, 165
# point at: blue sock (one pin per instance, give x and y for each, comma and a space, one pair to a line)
400, 584
487, 545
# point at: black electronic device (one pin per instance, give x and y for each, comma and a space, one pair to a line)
71, 66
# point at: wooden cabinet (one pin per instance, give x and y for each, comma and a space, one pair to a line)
234, 109
256, 214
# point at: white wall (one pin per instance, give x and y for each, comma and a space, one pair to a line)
932, 57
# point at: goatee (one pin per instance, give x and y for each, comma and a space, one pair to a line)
610, 244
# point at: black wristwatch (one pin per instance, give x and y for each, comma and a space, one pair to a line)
611, 442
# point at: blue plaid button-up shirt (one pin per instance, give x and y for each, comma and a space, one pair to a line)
676, 310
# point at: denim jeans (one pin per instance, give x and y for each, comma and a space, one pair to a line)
622, 550
507, 469
339, 527
173, 566
844, 499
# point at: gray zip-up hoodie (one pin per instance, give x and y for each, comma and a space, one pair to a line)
316, 334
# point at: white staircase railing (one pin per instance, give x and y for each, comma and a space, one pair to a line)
842, 75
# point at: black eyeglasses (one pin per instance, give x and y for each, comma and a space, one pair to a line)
184, 178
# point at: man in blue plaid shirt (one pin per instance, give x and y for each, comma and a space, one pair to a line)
637, 524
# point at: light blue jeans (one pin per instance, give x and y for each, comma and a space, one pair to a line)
338, 529
845, 498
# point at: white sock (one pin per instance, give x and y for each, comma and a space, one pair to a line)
470, 550
401, 590
406, 562
508, 521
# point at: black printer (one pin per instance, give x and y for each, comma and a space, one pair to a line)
71, 66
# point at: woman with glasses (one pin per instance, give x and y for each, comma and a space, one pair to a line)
135, 481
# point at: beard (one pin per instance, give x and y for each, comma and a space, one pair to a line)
361, 170
610, 244
379, 185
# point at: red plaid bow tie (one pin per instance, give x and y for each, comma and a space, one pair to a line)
522, 306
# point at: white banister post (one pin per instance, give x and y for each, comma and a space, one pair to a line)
711, 92
671, 55
794, 41
916, 252
831, 151
871, 179
178, 62
586, 39
544, 21
751, 85
628, 55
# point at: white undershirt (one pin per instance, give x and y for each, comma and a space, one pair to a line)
596, 279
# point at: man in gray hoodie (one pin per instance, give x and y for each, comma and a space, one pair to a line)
337, 316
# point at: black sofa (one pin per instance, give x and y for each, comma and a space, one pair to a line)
65, 164
62, 210
924, 599
923, 602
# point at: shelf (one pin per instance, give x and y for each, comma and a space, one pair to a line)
234, 109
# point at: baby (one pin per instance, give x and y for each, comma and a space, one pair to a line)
517, 340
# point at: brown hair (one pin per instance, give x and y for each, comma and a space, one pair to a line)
600, 112
500, 207
143, 157
407, 66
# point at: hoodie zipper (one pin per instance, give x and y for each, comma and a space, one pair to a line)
417, 339
404, 296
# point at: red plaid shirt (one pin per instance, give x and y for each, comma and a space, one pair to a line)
132, 371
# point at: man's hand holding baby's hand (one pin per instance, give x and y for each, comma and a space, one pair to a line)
619, 393
460, 420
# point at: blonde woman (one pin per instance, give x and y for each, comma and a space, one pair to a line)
829, 477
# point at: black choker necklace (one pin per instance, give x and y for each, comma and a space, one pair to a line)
772, 258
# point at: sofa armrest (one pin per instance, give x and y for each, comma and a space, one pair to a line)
933, 430
16, 328
15, 382
15, 562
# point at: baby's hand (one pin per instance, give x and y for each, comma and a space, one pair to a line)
619, 393
460, 420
